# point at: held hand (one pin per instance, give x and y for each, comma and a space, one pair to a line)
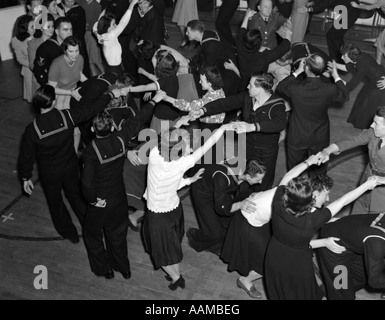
324, 156
196, 114
198, 175
147, 96
248, 206
124, 91
381, 83
249, 13
243, 127
334, 70
372, 182
229, 126
159, 96
100, 203
331, 244
183, 121
133, 2
132, 156
28, 186
76, 95
380, 181
116, 92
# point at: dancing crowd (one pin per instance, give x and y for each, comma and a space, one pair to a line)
125, 121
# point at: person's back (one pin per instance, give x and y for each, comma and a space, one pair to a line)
52, 132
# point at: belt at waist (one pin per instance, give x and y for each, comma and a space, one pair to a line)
376, 172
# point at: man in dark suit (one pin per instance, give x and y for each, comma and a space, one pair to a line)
309, 126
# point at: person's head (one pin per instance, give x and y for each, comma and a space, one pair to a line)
69, 3
254, 172
51, 6
144, 5
147, 49
260, 83
210, 78
70, 47
166, 65
48, 28
63, 28
102, 125
106, 24
265, 8
321, 186
176, 143
252, 40
44, 97
32, 5
350, 53
195, 29
314, 65
25, 27
298, 198
378, 123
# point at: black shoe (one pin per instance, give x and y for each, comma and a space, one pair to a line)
109, 275
178, 283
126, 275
73, 239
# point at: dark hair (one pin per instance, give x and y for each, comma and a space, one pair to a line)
38, 32
29, 2
22, 27
298, 198
44, 97
316, 64
321, 182
104, 23
352, 50
380, 111
252, 40
254, 167
172, 142
213, 76
46, 3
264, 81
69, 41
147, 49
166, 64
59, 21
102, 124
196, 25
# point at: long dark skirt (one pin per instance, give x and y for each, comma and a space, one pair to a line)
162, 236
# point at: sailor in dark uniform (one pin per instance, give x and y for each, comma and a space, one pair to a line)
363, 236
103, 187
50, 138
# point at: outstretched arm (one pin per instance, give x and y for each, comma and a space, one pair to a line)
349, 197
125, 19
211, 141
299, 168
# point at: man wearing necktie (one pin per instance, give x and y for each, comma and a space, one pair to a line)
267, 22
374, 138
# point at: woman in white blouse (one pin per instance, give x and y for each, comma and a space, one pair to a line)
163, 225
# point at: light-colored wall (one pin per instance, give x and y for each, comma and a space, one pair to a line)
8, 18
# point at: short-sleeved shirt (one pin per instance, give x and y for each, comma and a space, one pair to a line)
66, 77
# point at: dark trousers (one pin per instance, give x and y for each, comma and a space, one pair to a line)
112, 223
128, 57
295, 156
212, 227
225, 14
53, 184
268, 157
335, 37
356, 274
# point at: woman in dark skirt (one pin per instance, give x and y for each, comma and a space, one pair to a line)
163, 225
364, 68
297, 214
